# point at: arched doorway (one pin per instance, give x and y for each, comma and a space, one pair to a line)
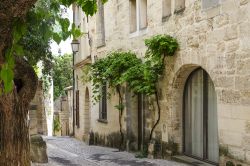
86, 113
200, 117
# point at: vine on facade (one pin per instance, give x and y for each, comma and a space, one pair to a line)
118, 69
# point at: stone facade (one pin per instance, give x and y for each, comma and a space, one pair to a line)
37, 116
213, 35
63, 113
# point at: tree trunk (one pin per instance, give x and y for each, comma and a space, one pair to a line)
14, 130
159, 116
121, 147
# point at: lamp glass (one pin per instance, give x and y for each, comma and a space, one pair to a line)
75, 46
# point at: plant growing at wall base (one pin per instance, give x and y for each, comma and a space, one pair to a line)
120, 68
159, 47
56, 125
143, 78
111, 70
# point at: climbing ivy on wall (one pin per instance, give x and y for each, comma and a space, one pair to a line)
118, 69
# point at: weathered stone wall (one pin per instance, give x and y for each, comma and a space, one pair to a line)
37, 116
64, 116
62, 112
215, 38
69, 98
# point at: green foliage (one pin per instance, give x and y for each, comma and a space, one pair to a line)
62, 74
56, 124
86, 73
7, 69
32, 36
88, 6
143, 153
118, 68
111, 70
143, 78
120, 107
159, 45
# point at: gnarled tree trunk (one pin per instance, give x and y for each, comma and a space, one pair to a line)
14, 130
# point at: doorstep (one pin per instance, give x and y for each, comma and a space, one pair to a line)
190, 161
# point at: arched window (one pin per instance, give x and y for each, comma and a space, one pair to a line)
200, 117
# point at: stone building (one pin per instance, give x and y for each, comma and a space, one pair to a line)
37, 116
63, 114
205, 90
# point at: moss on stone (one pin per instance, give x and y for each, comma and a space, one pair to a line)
223, 150
230, 163
110, 140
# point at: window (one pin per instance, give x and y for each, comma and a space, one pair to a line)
77, 109
138, 15
206, 4
200, 118
133, 19
143, 14
100, 25
179, 5
166, 8
103, 104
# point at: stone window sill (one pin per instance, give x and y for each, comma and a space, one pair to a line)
102, 121
140, 32
179, 11
166, 18
101, 45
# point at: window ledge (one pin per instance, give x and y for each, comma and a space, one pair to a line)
140, 32
166, 18
191, 161
102, 121
101, 45
179, 11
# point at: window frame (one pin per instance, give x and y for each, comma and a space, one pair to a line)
77, 109
164, 4
205, 117
100, 25
138, 18
103, 105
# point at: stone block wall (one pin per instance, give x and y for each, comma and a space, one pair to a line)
214, 37
37, 116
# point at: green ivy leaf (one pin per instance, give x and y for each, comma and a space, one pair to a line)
18, 49
57, 38
75, 32
88, 6
64, 22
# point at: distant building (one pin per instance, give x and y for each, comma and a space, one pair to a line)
63, 114
205, 90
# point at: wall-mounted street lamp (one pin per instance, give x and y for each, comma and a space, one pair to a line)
75, 48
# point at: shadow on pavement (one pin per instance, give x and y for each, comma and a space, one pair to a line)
63, 161
119, 161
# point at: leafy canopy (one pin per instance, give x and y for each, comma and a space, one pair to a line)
110, 70
118, 68
32, 35
62, 74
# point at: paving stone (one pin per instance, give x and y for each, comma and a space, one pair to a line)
66, 151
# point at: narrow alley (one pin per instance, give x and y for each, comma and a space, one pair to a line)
66, 151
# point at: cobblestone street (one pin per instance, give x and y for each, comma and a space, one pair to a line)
65, 151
